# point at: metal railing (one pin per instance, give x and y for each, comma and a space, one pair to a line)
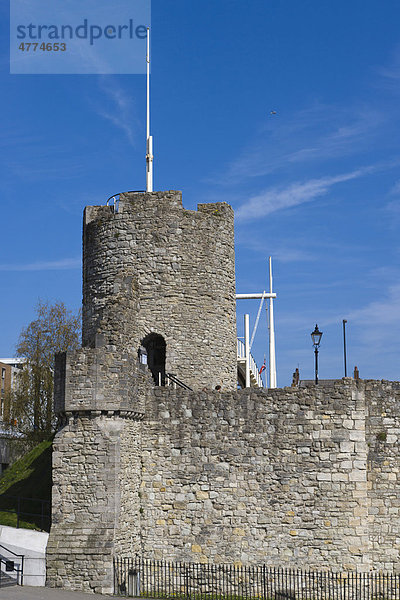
11, 567
160, 579
169, 379
241, 355
115, 198
21, 507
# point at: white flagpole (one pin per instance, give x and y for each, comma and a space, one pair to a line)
149, 138
272, 362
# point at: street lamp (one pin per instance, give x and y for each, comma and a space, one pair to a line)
316, 336
344, 347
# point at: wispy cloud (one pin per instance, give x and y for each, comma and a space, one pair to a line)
391, 72
47, 160
280, 252
278, 198
120, 109
383, 312
393, 206
379, 321
314, 134
55, 265
376, 322
395, 190
373, 332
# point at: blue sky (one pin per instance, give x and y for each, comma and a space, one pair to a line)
317, 185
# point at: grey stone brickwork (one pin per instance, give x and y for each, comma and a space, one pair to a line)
100, 379
293, 477
383, 446
155, 267
85, 501
100, 399
252, 477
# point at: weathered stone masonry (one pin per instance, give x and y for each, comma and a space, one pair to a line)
293, 477
300, 477
100, 400
156, 267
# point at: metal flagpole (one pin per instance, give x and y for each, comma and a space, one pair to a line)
272, 362
149, 138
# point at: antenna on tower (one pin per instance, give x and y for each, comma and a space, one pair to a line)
149, 138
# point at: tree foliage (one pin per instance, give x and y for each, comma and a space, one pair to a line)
55, 329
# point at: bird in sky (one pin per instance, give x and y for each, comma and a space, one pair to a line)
273, 112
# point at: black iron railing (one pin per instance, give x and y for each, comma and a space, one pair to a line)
31, 510
160, 579
11, 567
171, 379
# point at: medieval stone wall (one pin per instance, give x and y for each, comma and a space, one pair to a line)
276, 477
292, 477
156, 267
383, 440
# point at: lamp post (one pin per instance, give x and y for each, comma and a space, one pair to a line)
344, 347
316, 336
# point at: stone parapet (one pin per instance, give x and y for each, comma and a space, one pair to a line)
100, 379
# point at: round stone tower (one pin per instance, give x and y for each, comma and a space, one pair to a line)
159, 281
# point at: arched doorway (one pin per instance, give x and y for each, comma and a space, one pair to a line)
156, 351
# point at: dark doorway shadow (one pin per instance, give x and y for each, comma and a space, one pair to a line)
156, 352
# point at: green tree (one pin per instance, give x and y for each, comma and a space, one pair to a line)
55, 329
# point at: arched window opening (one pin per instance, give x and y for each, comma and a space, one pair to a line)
155, 348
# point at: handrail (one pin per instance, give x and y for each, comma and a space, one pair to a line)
44, 515
114, 197
177, 382
241, 350
11, 552
25, 498
10, 565
241, 355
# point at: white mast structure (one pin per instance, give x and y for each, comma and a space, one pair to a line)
149, 138
272, 361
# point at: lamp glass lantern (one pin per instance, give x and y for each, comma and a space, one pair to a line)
316, 336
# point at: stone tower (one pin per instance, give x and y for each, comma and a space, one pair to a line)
159, 276
303, 476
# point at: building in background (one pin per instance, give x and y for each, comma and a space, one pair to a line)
9, 369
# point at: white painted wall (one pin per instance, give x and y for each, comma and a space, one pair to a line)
32, 544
